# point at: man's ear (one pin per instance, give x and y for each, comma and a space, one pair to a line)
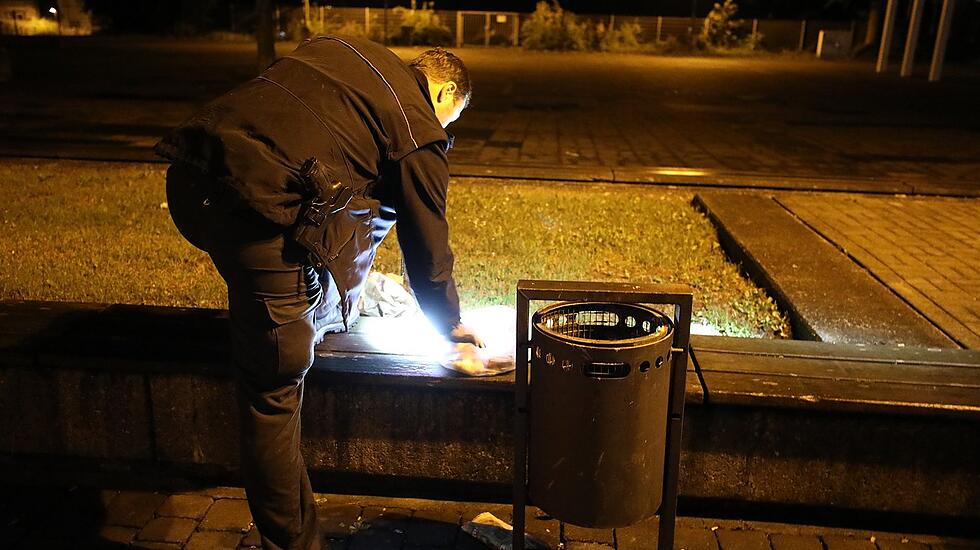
447, 89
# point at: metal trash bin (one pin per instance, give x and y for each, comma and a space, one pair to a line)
599, 402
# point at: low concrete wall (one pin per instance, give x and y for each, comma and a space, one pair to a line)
159, 398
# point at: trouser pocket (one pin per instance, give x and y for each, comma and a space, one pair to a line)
294, 329
272, 339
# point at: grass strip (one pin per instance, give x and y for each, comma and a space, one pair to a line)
100, 232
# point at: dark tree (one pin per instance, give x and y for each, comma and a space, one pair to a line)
265, 32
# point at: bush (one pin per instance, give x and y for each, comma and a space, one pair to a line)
552, 28
753, 41
333, 24
347, 28
625, 38
422, 27
317, 20
723, 32
673, 46
36, 26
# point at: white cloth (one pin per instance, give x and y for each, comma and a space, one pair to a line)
385, 296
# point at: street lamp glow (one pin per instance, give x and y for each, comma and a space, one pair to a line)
53, 11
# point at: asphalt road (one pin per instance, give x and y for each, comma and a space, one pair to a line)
773, 116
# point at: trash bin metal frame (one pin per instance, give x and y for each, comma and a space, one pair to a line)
679, 296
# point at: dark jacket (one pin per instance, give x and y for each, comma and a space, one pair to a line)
367, 117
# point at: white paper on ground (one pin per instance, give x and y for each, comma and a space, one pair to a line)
497, 534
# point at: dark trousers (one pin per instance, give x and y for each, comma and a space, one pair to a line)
272, 299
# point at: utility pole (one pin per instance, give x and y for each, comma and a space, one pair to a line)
57, 16
912, 39
886, 37
942, 38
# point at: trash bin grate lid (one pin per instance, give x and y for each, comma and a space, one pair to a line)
606, 322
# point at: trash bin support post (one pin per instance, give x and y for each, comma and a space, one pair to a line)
679, 296
521, 361
675, 421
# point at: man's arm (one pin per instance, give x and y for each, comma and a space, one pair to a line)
423, 234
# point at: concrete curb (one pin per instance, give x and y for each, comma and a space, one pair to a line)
646, 175
827, 296
137, 389
693, 177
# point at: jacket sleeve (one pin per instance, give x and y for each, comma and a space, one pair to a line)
423, 233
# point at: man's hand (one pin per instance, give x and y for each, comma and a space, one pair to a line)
462, 335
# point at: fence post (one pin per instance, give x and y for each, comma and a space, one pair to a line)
367, 21
486, 30
660, 26
517, 30
802, 35
459, 29
755, 28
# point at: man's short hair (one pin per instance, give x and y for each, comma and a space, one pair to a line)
443, 66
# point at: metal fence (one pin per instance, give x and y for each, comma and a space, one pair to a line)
492, 28
476, 28
487, 28
472, 28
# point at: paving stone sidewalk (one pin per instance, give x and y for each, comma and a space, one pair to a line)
217, 518
770, 116
925, 250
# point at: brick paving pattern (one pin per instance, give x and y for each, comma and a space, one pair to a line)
926, 250
770, 115
715, 135
218, 519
